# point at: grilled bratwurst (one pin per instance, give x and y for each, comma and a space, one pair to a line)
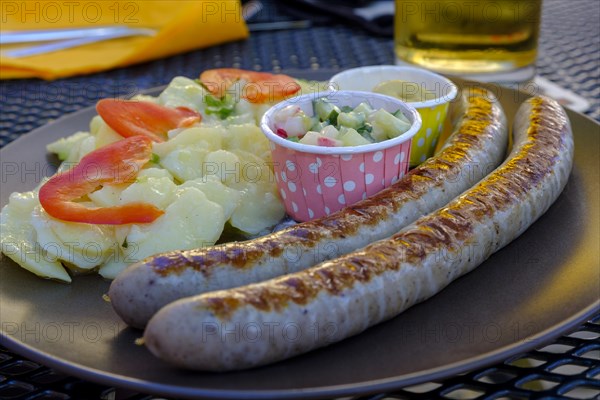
476, 147
376, 283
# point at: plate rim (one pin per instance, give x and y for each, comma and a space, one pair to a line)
372, 386
363, 387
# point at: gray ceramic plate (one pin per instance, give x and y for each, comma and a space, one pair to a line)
543, 284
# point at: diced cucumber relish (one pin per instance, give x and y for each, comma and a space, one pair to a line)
334, 126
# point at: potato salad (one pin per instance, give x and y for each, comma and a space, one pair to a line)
152, 174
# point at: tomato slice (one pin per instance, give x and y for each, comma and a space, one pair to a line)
260, 87
118, 162
130, 118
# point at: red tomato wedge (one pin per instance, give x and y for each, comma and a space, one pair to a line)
131, 118
118, 162
260, 87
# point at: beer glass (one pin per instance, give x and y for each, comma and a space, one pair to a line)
487, 40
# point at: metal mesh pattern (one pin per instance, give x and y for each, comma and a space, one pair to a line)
567, 368
569, 51
569, 55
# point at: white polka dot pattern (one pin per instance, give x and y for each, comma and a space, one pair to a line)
425, 140
349, 186
353, 179
330, 181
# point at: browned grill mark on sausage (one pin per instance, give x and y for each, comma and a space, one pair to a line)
479, 125
453, 224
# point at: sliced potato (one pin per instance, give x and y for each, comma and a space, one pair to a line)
190, 221
209, 138
114, 264
18, 238
258, 211
253, 170
104, 134
63, 147
217, 192
183, 92
87, 146
222, 164
153, 172
247, 137
156, 191
107, 196
84, 246
185, 163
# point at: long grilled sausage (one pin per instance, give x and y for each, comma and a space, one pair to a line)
477, 146
378, 282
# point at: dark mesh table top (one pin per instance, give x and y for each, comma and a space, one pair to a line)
569, 55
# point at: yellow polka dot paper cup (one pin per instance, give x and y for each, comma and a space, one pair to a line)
433, 110
315, 181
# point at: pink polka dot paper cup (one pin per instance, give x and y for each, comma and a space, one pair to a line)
315, 181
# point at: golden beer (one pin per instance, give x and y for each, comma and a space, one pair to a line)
466, 37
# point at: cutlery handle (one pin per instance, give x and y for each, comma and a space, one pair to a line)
58, 34
76, 41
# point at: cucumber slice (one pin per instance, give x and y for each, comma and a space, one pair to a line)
351, 119
318, 126
333, 117
400, 115
323, 108
352, 138
363, 108
385, 125
330, 131
311, 138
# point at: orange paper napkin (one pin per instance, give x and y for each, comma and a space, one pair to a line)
181, 25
